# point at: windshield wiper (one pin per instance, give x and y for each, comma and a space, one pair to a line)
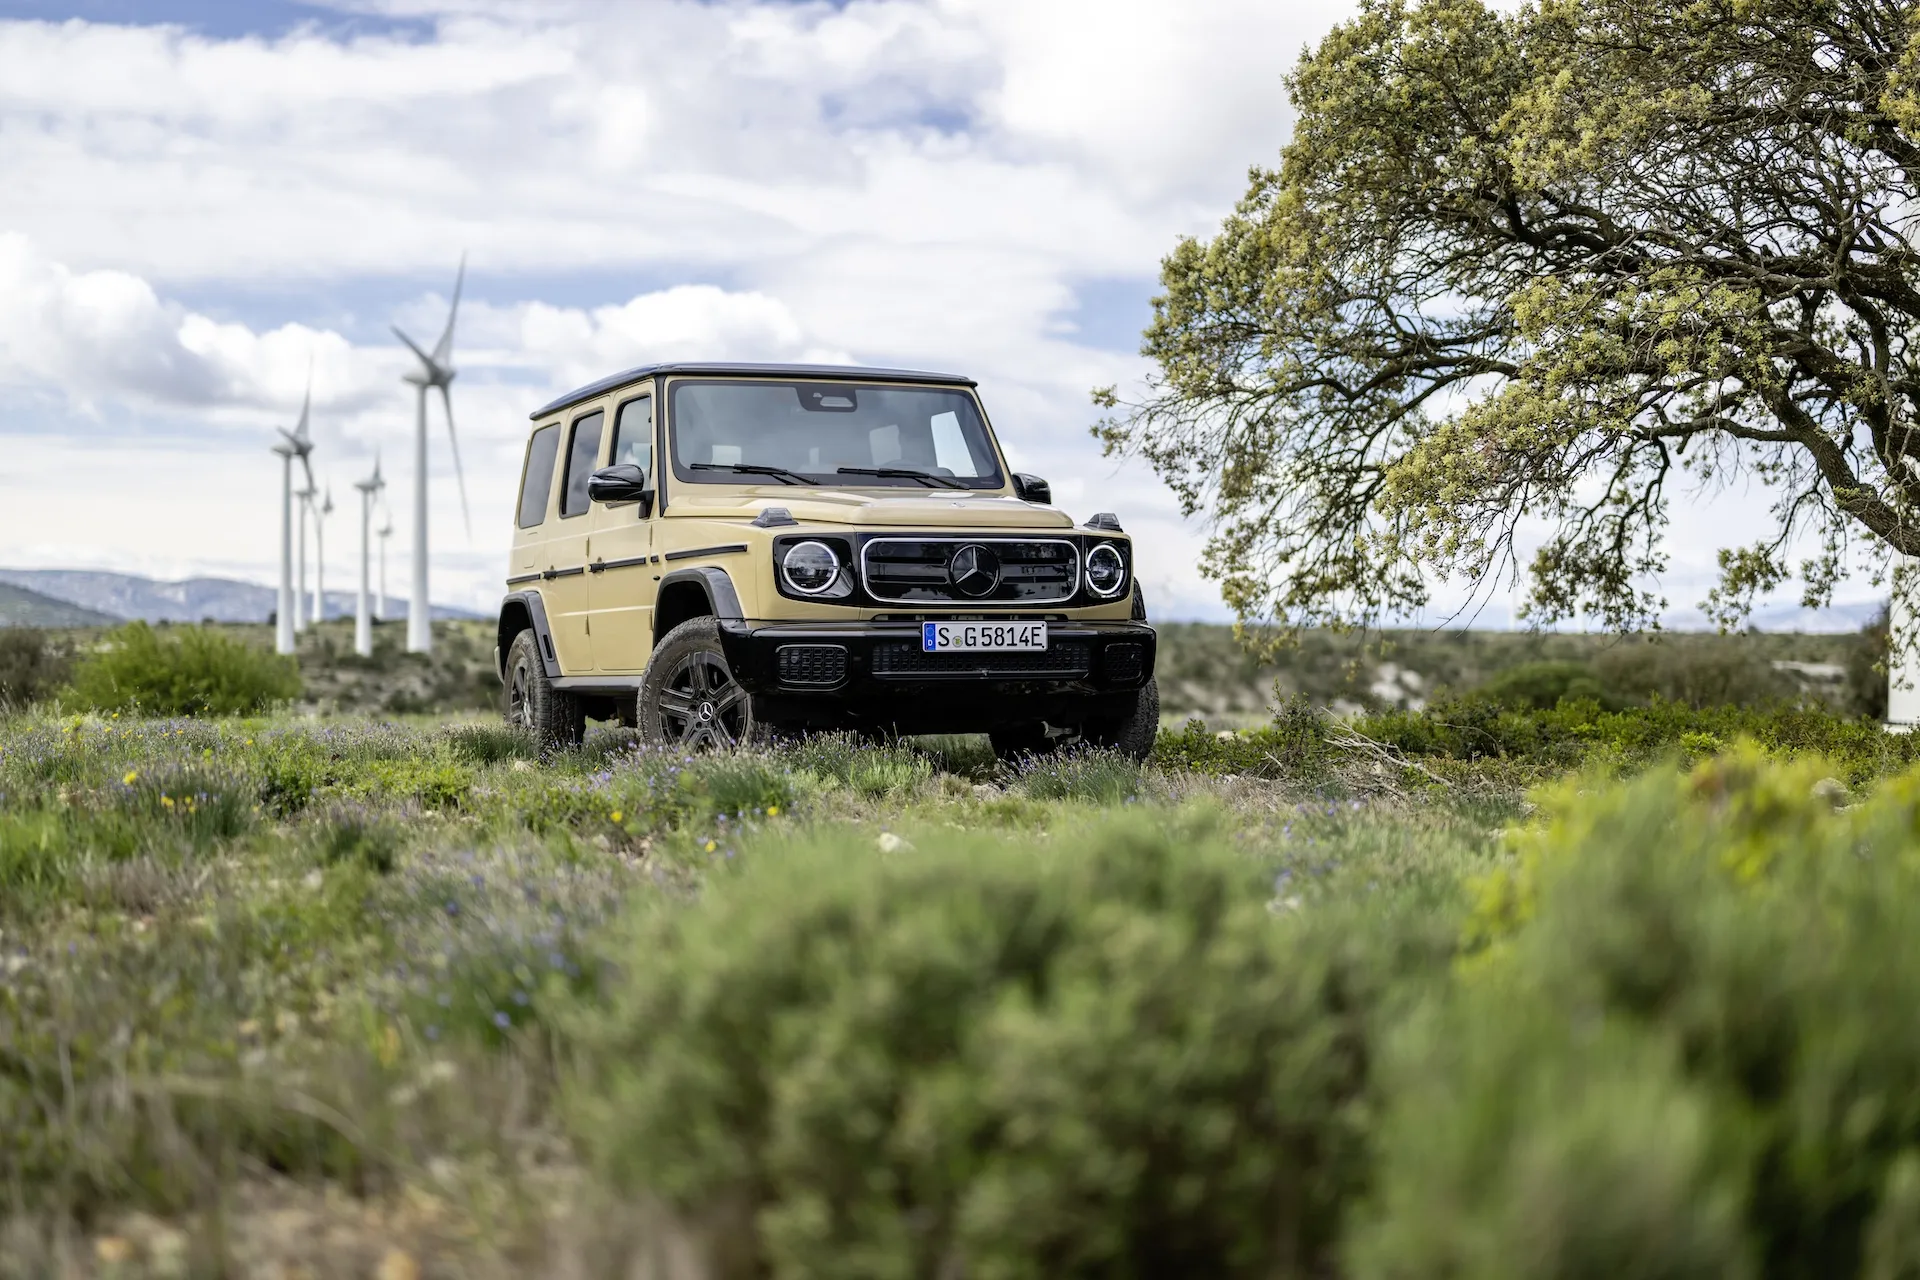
906, 473
781, 474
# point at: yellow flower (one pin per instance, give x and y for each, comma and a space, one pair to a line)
167, 801
711, 846
616, 815
773, 811
131, 775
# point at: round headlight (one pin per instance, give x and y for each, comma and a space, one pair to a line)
810, 567
1106, 570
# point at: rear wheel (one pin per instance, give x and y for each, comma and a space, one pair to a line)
554, 718
688, 697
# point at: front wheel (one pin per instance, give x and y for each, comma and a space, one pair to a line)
555, 718
1132, 733
688, 696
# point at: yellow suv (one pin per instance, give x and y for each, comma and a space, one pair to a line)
720, 552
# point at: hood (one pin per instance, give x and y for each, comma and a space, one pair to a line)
920, 509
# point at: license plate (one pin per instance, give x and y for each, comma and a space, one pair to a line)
974, 637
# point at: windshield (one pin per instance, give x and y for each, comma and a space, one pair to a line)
829, 433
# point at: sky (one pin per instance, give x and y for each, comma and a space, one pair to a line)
202, 199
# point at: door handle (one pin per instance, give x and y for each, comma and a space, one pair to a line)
597, 566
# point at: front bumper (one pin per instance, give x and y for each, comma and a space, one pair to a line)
873, 676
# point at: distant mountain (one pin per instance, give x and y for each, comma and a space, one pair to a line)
126, 596
20, 607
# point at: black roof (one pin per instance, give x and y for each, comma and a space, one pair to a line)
724, 369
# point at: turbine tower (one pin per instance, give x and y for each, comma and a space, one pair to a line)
386, 531
322, 510
363, 614
436, 370
294, 444
306, 511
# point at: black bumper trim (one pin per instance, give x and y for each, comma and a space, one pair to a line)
980, 692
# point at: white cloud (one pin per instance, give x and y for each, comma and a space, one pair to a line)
925, 182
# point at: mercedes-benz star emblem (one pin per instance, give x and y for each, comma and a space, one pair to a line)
974, 570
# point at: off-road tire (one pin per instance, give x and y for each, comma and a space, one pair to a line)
688, 696
553, 717
1131, 734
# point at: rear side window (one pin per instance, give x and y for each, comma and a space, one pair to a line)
633, 435
580, 456
537, 483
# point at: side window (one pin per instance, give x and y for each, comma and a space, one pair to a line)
537, 482
633, 435
580, 456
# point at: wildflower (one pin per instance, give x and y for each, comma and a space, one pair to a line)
502, 1021
711, 846
616, 815
773, 811
131, 775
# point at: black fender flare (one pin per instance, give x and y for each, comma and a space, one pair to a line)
722, 600
536, 611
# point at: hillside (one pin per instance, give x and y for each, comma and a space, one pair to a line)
20, 607
127, 596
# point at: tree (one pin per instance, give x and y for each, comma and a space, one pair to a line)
1565, 265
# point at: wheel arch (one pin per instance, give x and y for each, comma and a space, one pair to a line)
702, 591
524, 611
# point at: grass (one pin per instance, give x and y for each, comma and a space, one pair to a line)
248, 961
339, 993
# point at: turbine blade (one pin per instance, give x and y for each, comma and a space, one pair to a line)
446, 398
443, 349
413, 347
306, 403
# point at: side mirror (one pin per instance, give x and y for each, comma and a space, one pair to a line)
622, 482
1032, 489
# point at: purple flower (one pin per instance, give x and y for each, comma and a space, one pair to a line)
502, 1021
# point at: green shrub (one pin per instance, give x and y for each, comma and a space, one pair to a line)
1541, 686
490, 743
33, 666
1686, 1046
353, 834
971, 1057
184, 671
1079, 773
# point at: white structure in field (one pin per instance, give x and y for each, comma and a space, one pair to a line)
306, 516
320, 512
386, 531
436, 370
294, 444
1903, 647
363, 610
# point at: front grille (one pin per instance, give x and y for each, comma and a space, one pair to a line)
1123, 662
949, 570
811, 663
1065, 659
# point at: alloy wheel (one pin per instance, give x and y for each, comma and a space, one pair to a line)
701, 705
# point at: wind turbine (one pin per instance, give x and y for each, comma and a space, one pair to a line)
294, 444
363, 616
322, 510
306, 511
386, 531
436, 370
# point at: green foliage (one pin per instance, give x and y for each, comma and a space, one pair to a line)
1444, 314
870, 769
1107, 1058
1092, 774
183, 671
1684, 1048
1541, 686
33, 666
